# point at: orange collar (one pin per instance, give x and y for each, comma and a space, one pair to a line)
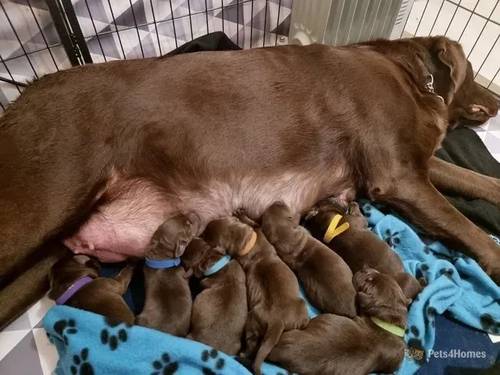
249, 245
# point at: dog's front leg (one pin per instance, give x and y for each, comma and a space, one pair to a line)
417, 199
448, 177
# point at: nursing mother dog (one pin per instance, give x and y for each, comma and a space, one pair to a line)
100, 155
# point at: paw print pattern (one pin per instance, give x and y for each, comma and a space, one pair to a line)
81, 365
113, 340
64, 328
488, 323
164, 365
210, 358
367, 210
392, 238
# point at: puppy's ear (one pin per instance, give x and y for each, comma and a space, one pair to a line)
409, 285
364, 301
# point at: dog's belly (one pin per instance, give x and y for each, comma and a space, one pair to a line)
123, 226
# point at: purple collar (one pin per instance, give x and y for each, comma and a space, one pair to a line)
75, 287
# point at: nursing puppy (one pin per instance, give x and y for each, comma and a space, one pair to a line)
220, 309
168, 301
272, 288
358, 245
326, 278
75, 282
370, 343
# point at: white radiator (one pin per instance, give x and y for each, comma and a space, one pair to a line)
339, 22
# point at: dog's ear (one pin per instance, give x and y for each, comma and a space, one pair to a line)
312, 213
409, 285
451, 55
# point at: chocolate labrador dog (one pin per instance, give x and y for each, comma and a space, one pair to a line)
168, 301
103, 165
326, 278
272, 288
370, 343
220, 309
358, 245
75, 281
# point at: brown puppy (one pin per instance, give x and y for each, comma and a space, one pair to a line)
333, 344
326, 278
75, 282
273, 290
168, 301
220, 309
359, 246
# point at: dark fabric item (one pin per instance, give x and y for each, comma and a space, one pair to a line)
217, 41
463, 147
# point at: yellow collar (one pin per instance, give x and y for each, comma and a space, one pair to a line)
249, 245
333, 231
389, 327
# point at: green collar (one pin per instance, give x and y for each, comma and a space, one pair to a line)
389, 327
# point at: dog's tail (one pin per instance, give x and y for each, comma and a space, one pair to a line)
271, 338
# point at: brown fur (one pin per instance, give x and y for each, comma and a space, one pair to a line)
102, 296
196, 128
359, 246
168, 301
335, 345
325, 277
272, 288
220, 309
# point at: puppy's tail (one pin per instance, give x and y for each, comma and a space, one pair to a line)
271, 338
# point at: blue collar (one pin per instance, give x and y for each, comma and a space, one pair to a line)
217, 266
162, 263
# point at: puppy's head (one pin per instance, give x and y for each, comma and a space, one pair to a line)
277, 220
172, 237
200, 256
69, 269
380, 296
229, 234
320, 216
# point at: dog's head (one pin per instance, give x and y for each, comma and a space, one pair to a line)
200, 256
229, 234
319, 217
277, 220
69, 269
172, 237
380, 296
468, 102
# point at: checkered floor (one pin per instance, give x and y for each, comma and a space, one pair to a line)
24, 348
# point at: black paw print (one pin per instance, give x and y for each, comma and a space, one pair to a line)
448, 272
367, 210
64, 328
80, 365
164, 366
210, 358
488, 323
113, 340
392, 238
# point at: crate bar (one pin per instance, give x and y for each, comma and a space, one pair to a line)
77, 31
468, 20
156, 26
95, 31
437, 16
407, 18
206, 15
457, 6
62, 31
482, 30
116, 28
487, 56
473, 12
277, 23
190, 20
495, 76
251, 24
173, 22
265, 24
373, 24
12, 80
42, 34
18, 39
238, 22
421, 17
136, 27
222, 13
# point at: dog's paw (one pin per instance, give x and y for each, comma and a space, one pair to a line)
164, 365
212, 362
81, 365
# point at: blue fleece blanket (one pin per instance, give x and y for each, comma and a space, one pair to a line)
88, 344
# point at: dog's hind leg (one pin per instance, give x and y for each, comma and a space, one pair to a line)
451, 178
418, 200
